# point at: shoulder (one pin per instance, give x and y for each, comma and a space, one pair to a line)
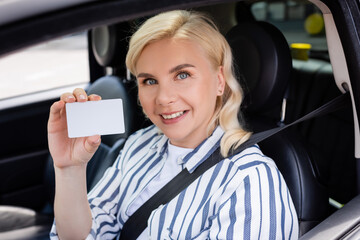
142, 140
251, 160
137, 143
142, 135
260, 172
144, 131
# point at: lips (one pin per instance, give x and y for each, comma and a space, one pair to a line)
172, 115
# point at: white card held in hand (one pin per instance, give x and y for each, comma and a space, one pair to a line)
95, 118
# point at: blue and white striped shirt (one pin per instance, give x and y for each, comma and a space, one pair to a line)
242, 197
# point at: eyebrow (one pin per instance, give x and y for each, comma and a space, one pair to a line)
179, 67
144, 75
174, 69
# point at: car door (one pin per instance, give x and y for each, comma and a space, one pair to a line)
30, 81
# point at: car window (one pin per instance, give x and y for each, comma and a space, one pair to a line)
54, 64
300, 22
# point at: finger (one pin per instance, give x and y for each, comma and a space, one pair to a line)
55, 110
68, 97
92, 143
94, 97
80, 95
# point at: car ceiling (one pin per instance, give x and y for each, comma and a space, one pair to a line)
36, 27
14, 10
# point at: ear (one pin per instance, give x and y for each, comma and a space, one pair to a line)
220, 81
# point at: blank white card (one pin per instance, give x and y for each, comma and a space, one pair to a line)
95, 118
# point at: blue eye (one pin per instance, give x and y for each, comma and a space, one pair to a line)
150, 81
183, 75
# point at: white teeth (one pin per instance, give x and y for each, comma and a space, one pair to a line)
171, 116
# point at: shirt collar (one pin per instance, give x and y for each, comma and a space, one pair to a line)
204, 150
193, 159
160, 143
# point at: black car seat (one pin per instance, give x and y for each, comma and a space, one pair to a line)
263, 58
22, 223
312, 85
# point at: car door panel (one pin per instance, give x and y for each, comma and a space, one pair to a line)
23, 155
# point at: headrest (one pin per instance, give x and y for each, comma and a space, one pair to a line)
110, 43
110, 87
262, 56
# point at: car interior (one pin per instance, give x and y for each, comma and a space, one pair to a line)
316, 157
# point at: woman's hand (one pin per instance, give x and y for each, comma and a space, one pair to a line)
65, 151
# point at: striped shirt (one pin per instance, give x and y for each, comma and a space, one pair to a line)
242, 197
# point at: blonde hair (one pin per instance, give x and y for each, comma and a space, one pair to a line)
186, 25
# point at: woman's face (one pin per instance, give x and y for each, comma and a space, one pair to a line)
178, 87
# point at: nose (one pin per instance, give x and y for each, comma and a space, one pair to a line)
166, 94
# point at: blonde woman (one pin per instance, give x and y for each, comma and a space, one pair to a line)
187, 88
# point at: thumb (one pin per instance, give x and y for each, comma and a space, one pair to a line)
92, 143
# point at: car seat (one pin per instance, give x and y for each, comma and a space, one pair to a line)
313, 85
263, 58
20, 223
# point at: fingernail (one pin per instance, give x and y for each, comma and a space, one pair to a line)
71, 97
82, 97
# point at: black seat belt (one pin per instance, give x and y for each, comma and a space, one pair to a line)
137, 222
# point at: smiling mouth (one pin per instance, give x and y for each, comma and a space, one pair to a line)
173, 115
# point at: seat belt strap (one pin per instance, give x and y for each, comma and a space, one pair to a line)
137, 222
